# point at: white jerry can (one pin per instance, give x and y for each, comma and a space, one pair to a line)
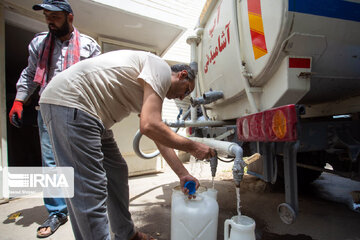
194, 218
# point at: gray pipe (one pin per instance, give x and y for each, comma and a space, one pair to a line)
207, 98
213, 95
239, 164
230, 148
193, 42
136, 147
182, 123
138, 135
176, 125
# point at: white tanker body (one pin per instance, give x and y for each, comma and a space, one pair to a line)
288, 51
285, 68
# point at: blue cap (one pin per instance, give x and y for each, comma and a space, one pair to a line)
191, 186
54, 5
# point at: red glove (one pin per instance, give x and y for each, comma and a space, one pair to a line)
17, 109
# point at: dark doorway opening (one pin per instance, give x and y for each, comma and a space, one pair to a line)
23, 143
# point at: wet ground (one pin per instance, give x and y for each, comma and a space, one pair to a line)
324, 214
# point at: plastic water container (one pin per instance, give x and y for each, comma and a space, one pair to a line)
242, 228
194, 218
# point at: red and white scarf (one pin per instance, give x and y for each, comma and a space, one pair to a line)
72, 56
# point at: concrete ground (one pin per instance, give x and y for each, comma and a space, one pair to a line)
325, 212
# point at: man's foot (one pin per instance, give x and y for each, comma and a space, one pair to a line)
142, 236
51, 224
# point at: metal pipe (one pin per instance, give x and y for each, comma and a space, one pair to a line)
193, 42
207, 98
342, 174
225, 134
239, 164
248, 92
213, 95
203, 110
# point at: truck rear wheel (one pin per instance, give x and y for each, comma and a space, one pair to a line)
286, 213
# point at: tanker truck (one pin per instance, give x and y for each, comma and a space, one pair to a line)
280, 78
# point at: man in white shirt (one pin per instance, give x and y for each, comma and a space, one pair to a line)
82, 103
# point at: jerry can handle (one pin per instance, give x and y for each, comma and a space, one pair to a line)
226, 229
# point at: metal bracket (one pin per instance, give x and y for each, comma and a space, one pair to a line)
290, 174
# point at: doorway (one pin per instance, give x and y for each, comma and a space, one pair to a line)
23, 143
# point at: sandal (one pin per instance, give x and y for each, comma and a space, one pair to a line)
142, 236
54, 222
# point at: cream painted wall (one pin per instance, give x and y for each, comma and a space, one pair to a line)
124, 133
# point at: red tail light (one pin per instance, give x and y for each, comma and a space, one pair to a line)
189, 131
274, 125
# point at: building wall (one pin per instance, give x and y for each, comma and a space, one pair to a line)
184, 13
3, 115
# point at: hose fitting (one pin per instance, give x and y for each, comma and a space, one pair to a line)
213, 165
207, 98
239, 164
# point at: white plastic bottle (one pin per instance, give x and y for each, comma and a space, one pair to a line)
196, 218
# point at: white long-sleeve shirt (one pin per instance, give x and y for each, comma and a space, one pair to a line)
26, 86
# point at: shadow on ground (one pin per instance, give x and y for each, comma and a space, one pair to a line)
28, 216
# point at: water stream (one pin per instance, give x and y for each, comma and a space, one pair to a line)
238, 200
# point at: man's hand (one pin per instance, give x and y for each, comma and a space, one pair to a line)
185, 179
202, 151
15, 115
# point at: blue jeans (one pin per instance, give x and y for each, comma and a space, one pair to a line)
53, 205
101, 190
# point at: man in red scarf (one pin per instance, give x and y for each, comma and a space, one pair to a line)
49, 54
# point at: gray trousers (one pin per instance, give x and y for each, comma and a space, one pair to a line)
101, 190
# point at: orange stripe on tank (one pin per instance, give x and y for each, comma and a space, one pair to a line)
256, 23
256, 28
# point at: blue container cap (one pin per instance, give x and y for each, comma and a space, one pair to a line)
191, 186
